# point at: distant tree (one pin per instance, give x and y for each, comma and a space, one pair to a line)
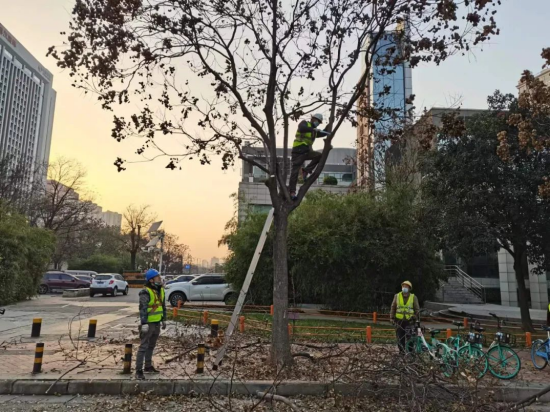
251, 68
486, 201
137, 220
98, 263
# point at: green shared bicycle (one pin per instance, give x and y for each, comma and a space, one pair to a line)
469, 349
504, 362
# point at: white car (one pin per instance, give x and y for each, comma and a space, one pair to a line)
108, 283
211, 287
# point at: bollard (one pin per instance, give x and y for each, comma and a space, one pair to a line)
369, 334
289, 329
271, 310
38, 356
241, 324
465, 323
528, 339
200, 358
36, 326
449, 333
374, 317
180, 303
205, 318
127, 368
214, 327
92, 328
175, 313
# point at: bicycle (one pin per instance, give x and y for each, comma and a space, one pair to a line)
455, 342
540, 350
435, 351
471, 354
504, 362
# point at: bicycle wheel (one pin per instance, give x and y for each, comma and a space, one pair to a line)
504, 362
538, 354
447, 359
473, 360
413, 345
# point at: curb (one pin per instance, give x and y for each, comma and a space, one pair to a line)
226, 387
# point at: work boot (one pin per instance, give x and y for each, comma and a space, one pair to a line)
293, 196
139, 375
151, 369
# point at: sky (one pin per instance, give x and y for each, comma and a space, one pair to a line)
195, 203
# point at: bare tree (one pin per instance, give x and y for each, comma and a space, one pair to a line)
136, 220
65, 207
222, 74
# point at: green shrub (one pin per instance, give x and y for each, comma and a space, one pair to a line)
100, 264
330, 180
24, 255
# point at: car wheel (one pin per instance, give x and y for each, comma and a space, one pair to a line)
125, 293
43, 289
115, 291
104, 294
230, 298
176, 297
92, 294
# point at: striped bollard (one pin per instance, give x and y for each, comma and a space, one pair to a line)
205, 318
374, 317
271, 310
449, 333
127, 368
241, 324
528, 339
214, 327
200, 358
92, 326
175, 313
36, 326
38, 356
369, 334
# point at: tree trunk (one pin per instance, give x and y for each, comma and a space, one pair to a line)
133, 260
280, 348
521, 269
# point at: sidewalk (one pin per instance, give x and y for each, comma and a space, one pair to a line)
504, 312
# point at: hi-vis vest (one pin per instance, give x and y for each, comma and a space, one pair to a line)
154, 310
304, 139
404, 310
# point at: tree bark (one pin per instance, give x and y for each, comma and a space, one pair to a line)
521, 269
280, 343
133, 260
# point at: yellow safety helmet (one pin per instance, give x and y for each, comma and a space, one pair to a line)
407, 283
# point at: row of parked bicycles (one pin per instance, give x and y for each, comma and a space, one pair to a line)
466, 351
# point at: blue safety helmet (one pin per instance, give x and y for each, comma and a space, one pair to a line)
150, 274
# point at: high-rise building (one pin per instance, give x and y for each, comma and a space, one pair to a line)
388, 91
214, 261
27, 103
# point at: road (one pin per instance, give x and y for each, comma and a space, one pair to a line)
56, 312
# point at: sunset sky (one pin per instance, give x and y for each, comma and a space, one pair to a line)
194, 202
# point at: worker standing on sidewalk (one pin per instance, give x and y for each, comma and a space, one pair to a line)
404, 308
152, 313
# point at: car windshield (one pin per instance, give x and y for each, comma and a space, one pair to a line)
103, 277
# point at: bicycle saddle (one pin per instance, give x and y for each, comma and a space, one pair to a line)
457, 323
479, 329
434, 331
546, 328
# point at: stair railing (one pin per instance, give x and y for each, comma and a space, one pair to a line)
467, 281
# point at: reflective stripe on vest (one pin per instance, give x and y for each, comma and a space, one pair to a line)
303, 139
404, 310
154, 309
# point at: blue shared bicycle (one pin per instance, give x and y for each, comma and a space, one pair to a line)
540, 350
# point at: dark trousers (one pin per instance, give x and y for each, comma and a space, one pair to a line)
300, 155
147, 346
401, 327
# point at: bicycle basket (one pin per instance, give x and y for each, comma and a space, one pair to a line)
507, 338
475, 338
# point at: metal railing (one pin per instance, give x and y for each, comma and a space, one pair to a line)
467, 281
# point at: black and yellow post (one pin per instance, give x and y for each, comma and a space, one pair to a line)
200, 358
92, 328
127, 359
38, 355
36, 326
214, 327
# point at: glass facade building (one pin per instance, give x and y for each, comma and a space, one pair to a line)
27, 103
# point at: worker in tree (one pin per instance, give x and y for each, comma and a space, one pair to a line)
404, 309
302, 150
152, 313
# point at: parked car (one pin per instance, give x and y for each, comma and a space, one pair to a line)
89, 273
181, 278
108, 283
211, 287
59, 281
85, 278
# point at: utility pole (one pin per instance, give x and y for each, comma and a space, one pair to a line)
161, 237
